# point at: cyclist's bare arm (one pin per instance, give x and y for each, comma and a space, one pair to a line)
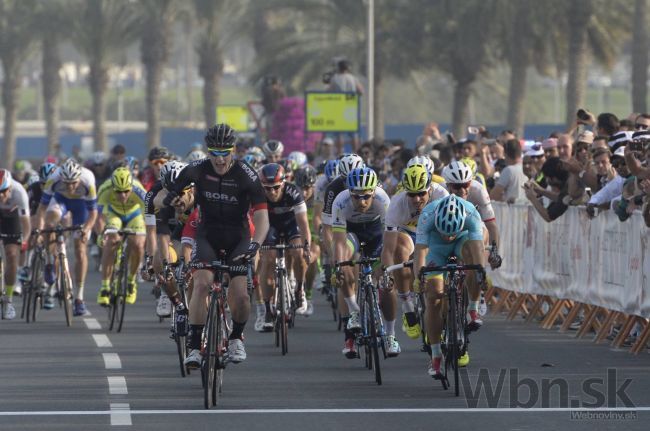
261, 222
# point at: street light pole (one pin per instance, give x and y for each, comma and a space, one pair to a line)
371, 69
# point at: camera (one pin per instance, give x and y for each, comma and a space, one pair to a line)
584, 116
638, 145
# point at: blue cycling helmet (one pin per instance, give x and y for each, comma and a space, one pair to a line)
332, 169
361, 179
45, 171
449, 216
131, 162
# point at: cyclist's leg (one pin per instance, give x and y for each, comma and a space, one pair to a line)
136, 254
472, 252
110, 243
403, 283
79, 214
267, 277
238, 298
434, 292
312, 271
299, 266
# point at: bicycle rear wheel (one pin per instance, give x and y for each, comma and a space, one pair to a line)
283, 317
36, 305
27, 303
209, 364
452, 337
374, 335
181, 347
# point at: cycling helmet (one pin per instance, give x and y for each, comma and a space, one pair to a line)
159, 153
424, 161
457, 173
298, 157
272, 173
449, 216
70, 170
362, 179
33, 179
348, 162
416, 179
305, 176
122, 179
251, 160
272, 147
220, 136
22, 166
471, 163
45, 171
5, 179
195, 155
169, 172
332, 169
98, 158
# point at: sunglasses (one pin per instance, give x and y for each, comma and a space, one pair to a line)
536, 157
273, 187
2, 192
158, 162
417, 194
122, 192
363, 197
618, 164
460, 186
639, 126
220, 152
69, 183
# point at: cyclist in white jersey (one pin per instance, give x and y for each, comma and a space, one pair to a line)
358, 215
459, 180
399, 238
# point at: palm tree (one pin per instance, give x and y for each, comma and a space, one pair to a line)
156, 27
16, 40
640, 57
53, 25
102, 30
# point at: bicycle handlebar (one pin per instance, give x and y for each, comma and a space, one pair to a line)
214, 265
391, 268
452, 267
282, 247
58, 229
122, 232
362, 261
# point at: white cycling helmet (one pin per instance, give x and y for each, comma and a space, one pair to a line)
273, 147
457, 173
348, 162
195, 155
33, 179
71, 170
424, 161
169, 172
298, 157
98, 158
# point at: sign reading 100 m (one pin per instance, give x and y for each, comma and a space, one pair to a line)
331, 112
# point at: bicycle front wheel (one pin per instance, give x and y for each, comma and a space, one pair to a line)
122, 293
453, 352
373, 330
181, 347
65, 290
209, 364
283, 316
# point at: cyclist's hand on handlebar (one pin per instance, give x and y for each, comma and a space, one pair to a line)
494, 259
249, 254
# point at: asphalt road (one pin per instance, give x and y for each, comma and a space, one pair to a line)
87, 378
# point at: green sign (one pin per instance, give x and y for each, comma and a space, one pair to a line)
235, 116
331, 112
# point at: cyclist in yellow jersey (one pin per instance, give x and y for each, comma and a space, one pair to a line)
477, 175
122, 207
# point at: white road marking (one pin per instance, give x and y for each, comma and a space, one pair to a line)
112, 361
329, 411
120, 414
92, 323
102, 340
117, 385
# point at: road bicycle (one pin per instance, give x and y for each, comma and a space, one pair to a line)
35, 287
178, 271
119, 279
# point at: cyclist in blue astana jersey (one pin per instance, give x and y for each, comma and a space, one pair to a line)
450, 226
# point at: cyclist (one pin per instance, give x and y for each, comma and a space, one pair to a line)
98, 164
330, 172
15, 228
459, 179
429, 165
122, 207
273, 150
195, 155
298, 158
225, 189
157, 157
288, 221
446, 227
358, 215
163, 225
399, 238
71, 188
305, 180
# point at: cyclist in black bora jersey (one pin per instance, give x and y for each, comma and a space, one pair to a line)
225, 190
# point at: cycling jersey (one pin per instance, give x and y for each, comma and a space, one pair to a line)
402, 216
479, 197
319, 189
118, 214
285, 210
223, 200
167, 220
16, 206
34, 194
331, 192
148, 178
79, 201
440, 249
366, 226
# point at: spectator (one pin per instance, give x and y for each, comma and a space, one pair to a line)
424, 145
600, 141
604, 170
367, 153
614, 188
509, 186
550, 147
537, 159
626, 125
557, 177
564, 147
607, 124
470, 148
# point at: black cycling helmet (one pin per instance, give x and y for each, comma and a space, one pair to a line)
220, 136
272, 173
157, 153
305, 176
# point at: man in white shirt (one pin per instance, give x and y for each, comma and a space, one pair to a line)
508, 187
